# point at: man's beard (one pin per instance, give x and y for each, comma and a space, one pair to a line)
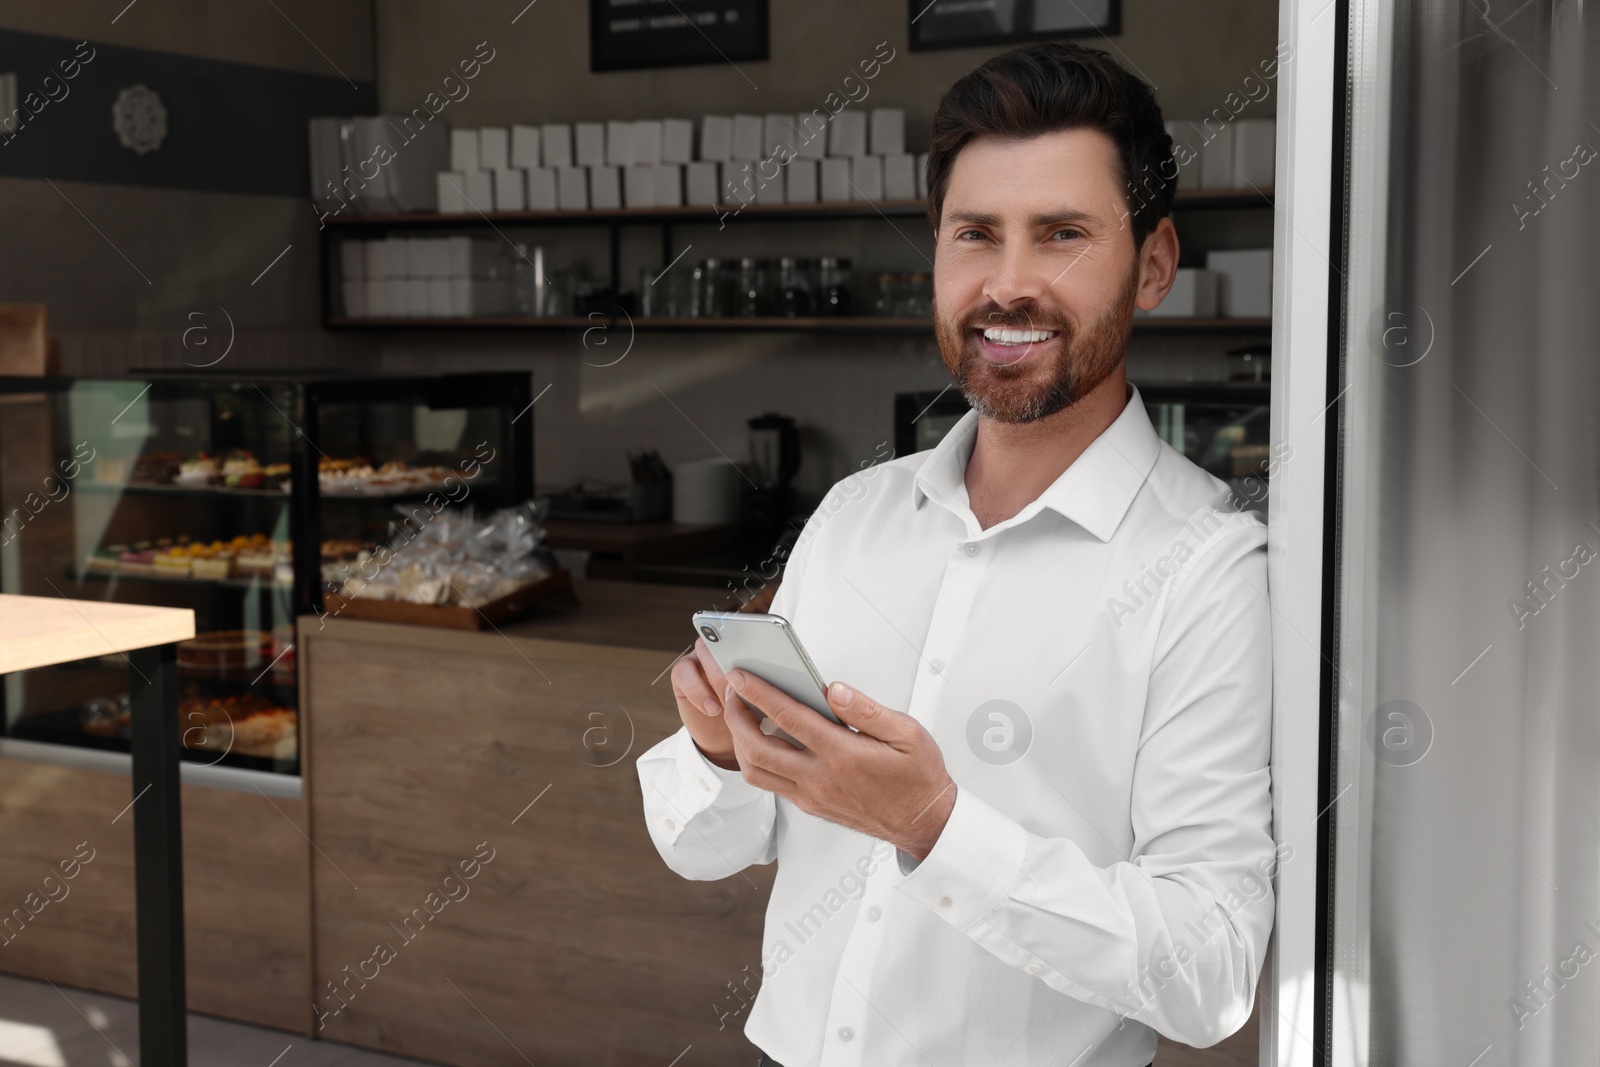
1015, 393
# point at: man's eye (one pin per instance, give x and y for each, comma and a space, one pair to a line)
1067, 234
965, 234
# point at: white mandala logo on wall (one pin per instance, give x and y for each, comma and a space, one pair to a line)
140, 119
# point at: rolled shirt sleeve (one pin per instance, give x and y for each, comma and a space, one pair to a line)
1174, 936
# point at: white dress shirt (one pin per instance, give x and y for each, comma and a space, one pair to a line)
1096, 671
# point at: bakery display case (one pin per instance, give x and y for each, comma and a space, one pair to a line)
246, 499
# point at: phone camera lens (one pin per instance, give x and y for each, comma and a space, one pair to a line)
711, 635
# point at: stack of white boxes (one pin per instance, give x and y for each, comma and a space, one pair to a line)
567, 166
1224, 155
853, 155
423, 277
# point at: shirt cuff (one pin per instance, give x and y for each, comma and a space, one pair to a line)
704, 782
972, 866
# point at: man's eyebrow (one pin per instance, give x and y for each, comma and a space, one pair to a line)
1053, 218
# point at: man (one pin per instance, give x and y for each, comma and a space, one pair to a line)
1051, 639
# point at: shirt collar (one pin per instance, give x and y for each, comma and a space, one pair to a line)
1095, 491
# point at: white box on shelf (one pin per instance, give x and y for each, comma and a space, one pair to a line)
701, 183
416, 297
374, 257
847, 135
464, 149
747, 136
619, 143
416, 256
888, 128
1216, 159
510, 189
737, 186
777, 128
354, 292
1246, 286
394, 297
899, 177
866, 178
639, 185
555, 144
716, 138
479, 190
768, 190
647, 141
525, 147
1254, 152
542, 190
922, 176
669, 184
811, 134
438, 298
494, 148
835, 180
800, 181
437, 257
452, 191
470, 257
374, 303
677, 141
605, 188
572, 188
590, 140
352, 260
1193, 296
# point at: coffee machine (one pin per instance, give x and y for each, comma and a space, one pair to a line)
769, 500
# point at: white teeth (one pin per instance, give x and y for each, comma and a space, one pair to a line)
1017, 337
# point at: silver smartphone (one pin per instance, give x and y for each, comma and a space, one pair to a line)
766, 646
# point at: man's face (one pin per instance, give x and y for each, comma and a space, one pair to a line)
1036, 276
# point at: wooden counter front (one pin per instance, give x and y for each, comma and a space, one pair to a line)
573, 944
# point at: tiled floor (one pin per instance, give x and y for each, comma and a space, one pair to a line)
41, 1026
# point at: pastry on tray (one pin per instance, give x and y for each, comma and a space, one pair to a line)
221, 650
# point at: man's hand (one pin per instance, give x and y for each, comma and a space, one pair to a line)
697, 685
888, 781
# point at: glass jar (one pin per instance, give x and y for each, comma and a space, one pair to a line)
652, 293
529, 281
751, 297
833, 289
794, 288
885, 302
919, 296
711, 291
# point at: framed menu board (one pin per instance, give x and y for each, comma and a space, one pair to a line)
634, 34
964, 23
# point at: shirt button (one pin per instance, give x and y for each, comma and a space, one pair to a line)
705, 785
1036, 968
972, 549
845, 1033
874, 913
671, 825
944, 902
936, 666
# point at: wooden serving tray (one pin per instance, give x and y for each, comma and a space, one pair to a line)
453, 616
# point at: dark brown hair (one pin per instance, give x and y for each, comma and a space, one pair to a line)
1051, 86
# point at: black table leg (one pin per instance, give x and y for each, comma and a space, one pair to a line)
158, 858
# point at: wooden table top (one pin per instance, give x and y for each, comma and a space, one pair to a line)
40, 631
